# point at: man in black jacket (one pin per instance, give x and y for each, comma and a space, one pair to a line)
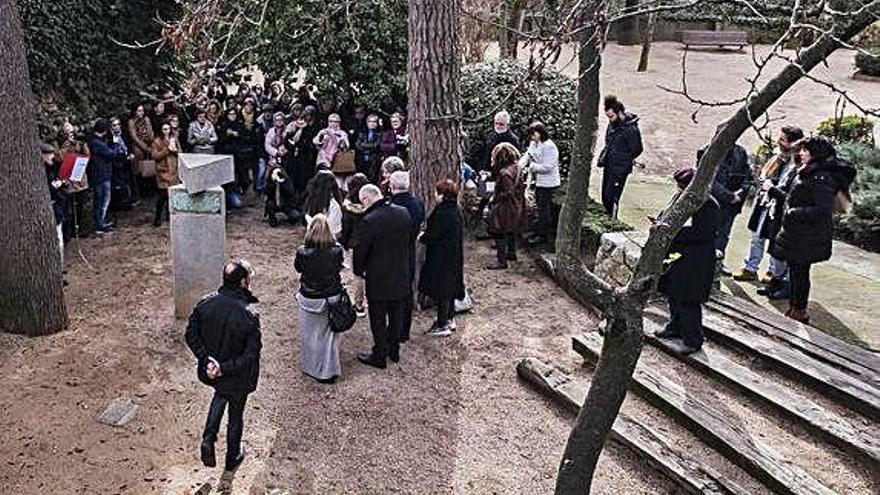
224, 335
623, 144
500, 133
401, 196
381, 256
732, 185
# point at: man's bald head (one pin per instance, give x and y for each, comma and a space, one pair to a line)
237, 274
369, 195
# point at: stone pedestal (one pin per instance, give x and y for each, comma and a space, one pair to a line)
618, 254
198, 244
202, 172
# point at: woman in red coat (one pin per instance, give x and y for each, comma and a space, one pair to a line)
507, 208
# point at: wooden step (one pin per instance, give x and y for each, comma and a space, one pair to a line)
713, 426
831, 427
852, 359
687, 472
839, 385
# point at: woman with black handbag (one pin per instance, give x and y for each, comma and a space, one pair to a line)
319, 262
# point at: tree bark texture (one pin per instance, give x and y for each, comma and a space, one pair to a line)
623, 307
511, 12
628, 32
31, 295
647, 39
433, 74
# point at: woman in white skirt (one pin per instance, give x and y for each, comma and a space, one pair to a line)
319, 262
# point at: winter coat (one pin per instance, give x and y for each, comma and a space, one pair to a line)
368, 153
202, 137
483, 161
166, 164
141, 135
330, 142
56, 194
442, 275
301, 155
334, 217
228, 144
416, 210
102, 157
623, 144
224, 327
807, 225
689, 278
761, 221
395, 143
734, 174
507, 209
542, 161
352, 214
381, 251
319, 270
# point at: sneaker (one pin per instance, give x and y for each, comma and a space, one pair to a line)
766, 278
360, 312
452, 326
443, 331
103, 231
725, 272
745, 275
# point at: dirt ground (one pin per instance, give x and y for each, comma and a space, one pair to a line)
451, 418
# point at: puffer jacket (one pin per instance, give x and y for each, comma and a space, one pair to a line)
623, 144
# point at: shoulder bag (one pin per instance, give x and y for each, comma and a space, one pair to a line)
341, 313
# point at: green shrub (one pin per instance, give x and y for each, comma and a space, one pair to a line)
862, 225
849, 129
550, 99
869, 63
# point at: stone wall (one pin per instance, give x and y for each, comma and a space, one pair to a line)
618, 255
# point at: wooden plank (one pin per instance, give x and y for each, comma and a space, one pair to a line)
846, 389
832, 427
715, 427
687, 472
848, 357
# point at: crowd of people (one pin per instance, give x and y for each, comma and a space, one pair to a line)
344, 176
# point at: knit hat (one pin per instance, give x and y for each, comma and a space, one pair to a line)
684, 176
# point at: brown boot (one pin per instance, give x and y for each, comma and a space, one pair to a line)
766, 278
743, 275
800, 315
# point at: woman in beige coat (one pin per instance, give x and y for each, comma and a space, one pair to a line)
164, 151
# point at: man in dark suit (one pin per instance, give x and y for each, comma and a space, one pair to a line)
381, 256
224, 335
401, 196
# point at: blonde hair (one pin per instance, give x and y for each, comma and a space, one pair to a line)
318, 234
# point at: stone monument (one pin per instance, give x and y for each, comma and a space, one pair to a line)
198, 227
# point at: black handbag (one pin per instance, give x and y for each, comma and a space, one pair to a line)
342, 314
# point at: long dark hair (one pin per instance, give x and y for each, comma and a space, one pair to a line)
319, 191
821, 150
355, 184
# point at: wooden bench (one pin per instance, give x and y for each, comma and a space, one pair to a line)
720, 39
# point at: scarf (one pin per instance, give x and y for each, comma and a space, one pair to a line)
142, 128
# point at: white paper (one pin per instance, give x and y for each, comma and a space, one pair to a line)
490, 186
79, 168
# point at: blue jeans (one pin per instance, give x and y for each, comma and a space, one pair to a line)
102, 203
261, 174
756, 253
727, 218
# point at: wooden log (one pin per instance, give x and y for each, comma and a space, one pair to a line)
850, 358
843, 387
687, 472
715, 427
831, 427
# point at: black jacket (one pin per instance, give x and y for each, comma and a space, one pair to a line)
689, 278
484, 159
807, 225
382, 253
56, 195
765, 201
320, 271
416, 211
223, 327
226, 144
733, 175
352, 214
623, 144
442, 275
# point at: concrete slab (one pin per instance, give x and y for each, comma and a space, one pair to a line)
198, 245
200, 172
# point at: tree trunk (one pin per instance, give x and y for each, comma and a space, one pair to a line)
648, 38
503, 33
433, 75
628, 32
623, 308
31, 295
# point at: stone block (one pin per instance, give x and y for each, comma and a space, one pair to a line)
202, 172
198, 245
